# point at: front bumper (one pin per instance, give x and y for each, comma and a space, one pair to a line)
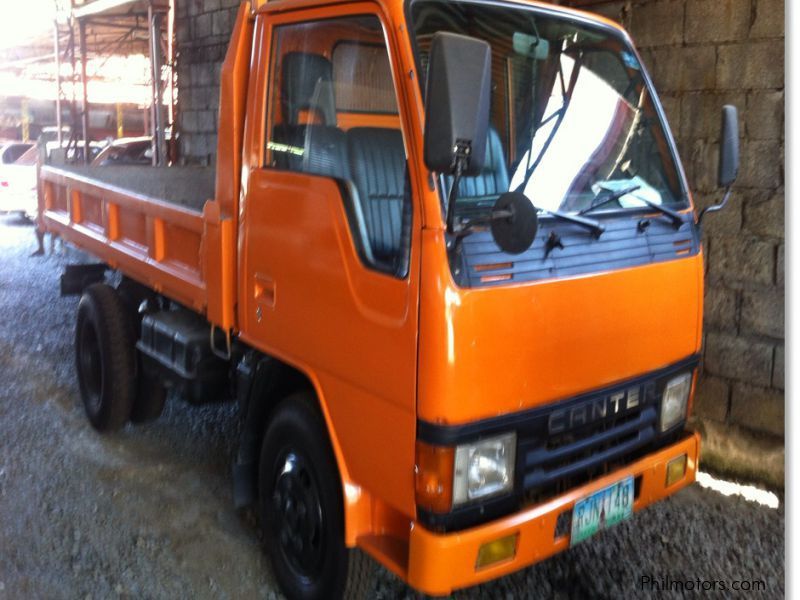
440, 563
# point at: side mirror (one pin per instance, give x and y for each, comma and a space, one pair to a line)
457, 97
729, 147
728, 157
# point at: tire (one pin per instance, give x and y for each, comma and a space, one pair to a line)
301, 509
104, 358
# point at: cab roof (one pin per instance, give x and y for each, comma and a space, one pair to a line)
278, 6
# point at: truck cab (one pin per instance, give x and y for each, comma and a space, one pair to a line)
452, 272
471, 393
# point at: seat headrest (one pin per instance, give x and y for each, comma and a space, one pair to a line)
307, 89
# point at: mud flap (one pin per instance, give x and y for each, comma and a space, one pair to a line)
76, 278
256, 376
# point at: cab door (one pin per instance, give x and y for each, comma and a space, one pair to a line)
330, 257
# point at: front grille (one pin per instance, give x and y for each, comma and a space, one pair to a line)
598, 433
586, 452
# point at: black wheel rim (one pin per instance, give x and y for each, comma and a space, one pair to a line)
91, 366
297, 516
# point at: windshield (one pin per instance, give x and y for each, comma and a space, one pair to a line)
572, 121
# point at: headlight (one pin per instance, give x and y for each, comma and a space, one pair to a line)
484, 468
674, 401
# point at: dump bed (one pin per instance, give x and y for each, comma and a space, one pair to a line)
171, 228
150, 223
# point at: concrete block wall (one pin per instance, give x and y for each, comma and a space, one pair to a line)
703, 54
202, 31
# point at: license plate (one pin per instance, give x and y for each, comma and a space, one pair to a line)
601, 510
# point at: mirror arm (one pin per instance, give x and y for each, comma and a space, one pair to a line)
716, 207
462, 152
451, 200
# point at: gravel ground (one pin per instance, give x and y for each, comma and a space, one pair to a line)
147, 512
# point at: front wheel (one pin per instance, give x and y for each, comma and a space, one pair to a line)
301, 508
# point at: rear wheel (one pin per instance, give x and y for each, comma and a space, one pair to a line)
302, 511
104, 357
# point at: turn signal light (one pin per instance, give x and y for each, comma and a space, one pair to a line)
676, 468
434, 477
504, 548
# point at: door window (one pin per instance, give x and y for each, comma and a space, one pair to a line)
332, 112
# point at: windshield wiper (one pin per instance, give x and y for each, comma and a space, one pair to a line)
590, 224
674, 216
611, 197
466, 225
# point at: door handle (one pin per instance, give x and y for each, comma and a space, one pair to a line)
264, 290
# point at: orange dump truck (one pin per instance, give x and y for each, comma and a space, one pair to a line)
448, 266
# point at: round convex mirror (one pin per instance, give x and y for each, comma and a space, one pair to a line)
514, 222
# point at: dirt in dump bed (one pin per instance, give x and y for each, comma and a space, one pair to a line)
189, 187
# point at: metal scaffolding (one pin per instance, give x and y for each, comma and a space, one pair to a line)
110, 28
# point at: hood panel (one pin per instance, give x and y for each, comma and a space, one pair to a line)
486, 352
